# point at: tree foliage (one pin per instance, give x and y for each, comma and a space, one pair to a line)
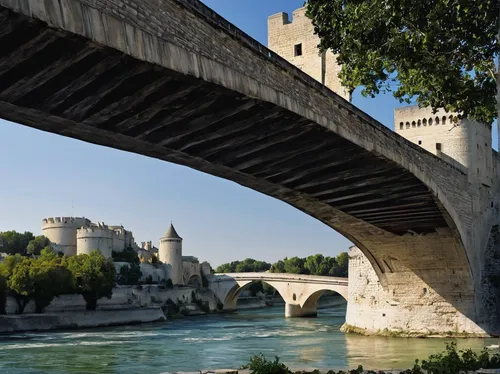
39, 279
314, 265
12, 242
439, 52
127, 255
36, 245
248, 265
94, 277
130, 274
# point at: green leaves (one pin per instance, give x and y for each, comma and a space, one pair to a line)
437, 52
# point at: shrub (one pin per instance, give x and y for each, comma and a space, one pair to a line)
259, 365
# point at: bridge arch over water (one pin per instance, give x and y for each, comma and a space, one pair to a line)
300, 292
175, 81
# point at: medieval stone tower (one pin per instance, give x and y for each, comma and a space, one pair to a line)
296, 42
61, 231
170, 253
459, 141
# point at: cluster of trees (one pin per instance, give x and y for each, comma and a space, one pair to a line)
49, 275
313, 265
13, 242
248, 265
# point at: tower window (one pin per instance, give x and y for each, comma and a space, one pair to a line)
419, 142
438, 146
401, 124
297, 49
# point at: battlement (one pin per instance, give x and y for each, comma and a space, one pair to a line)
284, 19
99, 230
65, 221
280, 18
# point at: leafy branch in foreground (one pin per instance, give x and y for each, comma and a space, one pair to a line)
449, 362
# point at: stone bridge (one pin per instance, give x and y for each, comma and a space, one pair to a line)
300, 292
171, 79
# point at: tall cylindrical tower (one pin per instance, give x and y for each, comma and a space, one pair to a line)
170, 253
97, 237
61, 231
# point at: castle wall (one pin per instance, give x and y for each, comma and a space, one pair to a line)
296, 42
61, 231
465, 142
190, 269
91, 238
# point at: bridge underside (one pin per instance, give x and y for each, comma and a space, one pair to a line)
62, 83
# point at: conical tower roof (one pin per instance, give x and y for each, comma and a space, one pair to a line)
171, 233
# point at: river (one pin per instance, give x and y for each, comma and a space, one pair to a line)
214, 341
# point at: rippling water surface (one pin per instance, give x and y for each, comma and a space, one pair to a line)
218, 341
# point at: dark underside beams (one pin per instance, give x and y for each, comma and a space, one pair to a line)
69, 79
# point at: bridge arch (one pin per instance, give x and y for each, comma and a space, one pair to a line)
300, 292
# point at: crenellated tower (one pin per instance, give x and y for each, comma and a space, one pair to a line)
61, 231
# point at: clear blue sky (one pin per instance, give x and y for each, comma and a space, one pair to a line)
44, 175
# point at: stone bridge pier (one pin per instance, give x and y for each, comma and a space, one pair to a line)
300, 292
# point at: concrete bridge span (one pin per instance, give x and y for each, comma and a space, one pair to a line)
171, 79
300, 292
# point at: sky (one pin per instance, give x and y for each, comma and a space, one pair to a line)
46, 175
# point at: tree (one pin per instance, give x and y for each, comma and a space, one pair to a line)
130, 274
49, 279
21, 283
343, 264
127, 255
246, 266
94, 277
440, 52
4, 274
12, 242
36, 245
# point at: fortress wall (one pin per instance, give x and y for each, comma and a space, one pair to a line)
90, 239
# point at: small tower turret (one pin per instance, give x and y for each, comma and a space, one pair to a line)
170, 253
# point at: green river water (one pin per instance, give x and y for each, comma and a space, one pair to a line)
215, 341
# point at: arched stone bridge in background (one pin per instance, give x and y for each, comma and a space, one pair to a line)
300, 292
171, 79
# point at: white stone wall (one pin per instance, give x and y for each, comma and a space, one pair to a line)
466, 142
190, 269
405, 306
284, 36
94, 238
61, 231
170, 253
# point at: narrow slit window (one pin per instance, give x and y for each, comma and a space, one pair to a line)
297, 49
419, 142
438, 147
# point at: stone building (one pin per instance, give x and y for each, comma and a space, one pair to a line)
296, 42
78, 235
462, 142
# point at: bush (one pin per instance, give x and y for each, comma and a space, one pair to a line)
130, 274
452, 361
127, 255
169, 283
259, 365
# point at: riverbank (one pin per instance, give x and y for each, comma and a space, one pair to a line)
79, 319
